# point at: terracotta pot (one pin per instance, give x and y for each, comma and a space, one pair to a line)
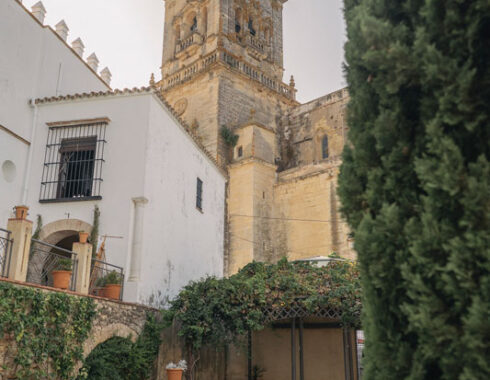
112, 291
83, 236
21, 212
175, 374
61, 279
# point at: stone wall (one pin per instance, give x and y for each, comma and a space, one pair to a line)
112, 319
300, 132
309, 223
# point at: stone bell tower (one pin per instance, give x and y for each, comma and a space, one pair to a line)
222, 60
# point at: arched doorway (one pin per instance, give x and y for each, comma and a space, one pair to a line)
53, 245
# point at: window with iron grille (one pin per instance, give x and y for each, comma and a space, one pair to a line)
73, 161
199, 194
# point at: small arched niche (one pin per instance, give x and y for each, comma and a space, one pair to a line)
238, 20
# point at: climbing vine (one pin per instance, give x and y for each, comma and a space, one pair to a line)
37, 232
94, 234
219, 311
228, 136
47, 330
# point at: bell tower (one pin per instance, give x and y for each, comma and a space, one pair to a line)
221, 60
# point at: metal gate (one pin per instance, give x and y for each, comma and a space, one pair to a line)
46, 258
6, 243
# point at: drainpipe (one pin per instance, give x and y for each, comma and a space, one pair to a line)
27, 172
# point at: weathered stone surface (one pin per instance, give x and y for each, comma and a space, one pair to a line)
223, 66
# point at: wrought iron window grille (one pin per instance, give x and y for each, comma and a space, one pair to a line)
73, 163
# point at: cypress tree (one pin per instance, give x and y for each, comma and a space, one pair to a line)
415, 184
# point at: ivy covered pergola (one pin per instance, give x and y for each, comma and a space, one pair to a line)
218, 312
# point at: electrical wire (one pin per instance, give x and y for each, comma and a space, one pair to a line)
287, 219
258, 244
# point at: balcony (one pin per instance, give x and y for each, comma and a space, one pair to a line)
194, 39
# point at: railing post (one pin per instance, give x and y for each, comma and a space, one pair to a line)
84, 256
21, 229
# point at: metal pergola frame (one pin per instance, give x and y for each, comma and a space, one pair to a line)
296, 314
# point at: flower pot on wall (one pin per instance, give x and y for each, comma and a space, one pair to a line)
112, 291
83, 237
61, 279
174, 373
21, 212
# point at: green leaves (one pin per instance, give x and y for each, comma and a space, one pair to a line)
220, 311
121, 359
414, 185
48, 328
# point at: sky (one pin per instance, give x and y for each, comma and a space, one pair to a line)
127, 36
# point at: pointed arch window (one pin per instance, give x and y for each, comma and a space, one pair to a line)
251, 26
238, 20
325, 147
194, 24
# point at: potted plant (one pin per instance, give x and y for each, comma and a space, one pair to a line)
83, 237
113, 284
100, 287
62, 274
175, 371
21, 212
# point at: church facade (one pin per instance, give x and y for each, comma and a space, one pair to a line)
222, 72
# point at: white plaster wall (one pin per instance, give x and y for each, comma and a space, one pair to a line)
11, 149
34, 63
189, 242
122, 171
149, 155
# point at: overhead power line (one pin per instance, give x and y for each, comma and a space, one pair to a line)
286, 219
258, 244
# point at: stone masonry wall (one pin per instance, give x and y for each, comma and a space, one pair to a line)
112, 319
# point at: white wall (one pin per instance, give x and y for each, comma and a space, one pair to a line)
191, 241
149, 155
34, 63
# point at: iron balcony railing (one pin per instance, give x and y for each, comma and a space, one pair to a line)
103, 274
6, 243
46, 258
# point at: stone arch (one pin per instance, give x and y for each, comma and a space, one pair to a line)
98, 336
191, 22
54, 232
238, 20
62, 231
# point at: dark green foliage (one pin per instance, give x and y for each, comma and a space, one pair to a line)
228, 136
109, 360
113, 278
415, 186
64, 264
219, 311
94, 234
48, 328
121, 359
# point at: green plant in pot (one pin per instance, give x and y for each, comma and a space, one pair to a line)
112, 285
62, 273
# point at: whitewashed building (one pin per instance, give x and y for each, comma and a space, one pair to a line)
68, 143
